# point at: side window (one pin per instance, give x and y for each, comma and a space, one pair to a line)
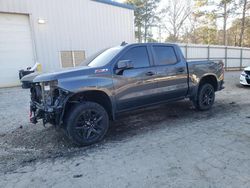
138, 56
165, 55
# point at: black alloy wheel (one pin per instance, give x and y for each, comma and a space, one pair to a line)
87, 124
205, 98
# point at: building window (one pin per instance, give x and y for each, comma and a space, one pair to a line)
72, 58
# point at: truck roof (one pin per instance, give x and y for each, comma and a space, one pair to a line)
148, 43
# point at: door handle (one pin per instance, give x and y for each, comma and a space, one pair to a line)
180, 70
150, 73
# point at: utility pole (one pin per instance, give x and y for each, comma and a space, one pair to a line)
146, 27
159, 27
225, 25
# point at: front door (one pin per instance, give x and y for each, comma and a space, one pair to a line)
134, 87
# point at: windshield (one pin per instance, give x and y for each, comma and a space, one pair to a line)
102, 58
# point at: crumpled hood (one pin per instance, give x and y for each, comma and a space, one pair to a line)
56, 75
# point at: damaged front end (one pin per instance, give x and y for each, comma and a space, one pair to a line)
47, 103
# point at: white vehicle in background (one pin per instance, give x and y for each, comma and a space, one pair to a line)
245, 77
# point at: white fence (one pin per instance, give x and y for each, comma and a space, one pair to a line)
235, 58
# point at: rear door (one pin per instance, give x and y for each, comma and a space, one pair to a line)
172, 74
135, 87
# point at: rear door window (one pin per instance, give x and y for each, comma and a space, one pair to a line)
138, 56
165, 55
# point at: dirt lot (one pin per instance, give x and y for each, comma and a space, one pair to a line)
168, 146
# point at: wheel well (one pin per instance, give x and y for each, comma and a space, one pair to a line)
211, 80
93, 96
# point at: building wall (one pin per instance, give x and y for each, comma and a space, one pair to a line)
72, 25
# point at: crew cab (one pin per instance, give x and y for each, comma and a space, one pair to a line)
82, 100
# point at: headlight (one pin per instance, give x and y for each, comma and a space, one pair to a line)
49, 88
46, 87
50, 85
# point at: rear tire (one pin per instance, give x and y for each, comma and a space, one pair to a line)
87, 123
205, 98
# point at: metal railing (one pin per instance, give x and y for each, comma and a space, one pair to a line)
235, 58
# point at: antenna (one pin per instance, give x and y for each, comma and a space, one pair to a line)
123, 43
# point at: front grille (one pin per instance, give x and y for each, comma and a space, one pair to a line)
247, 77
247, 72
248, 80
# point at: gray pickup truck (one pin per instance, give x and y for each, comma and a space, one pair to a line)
83, 99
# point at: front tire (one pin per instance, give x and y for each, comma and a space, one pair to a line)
87, 123
205, 98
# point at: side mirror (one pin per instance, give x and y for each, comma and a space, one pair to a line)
124, 64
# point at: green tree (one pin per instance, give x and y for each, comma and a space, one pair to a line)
228, 7
203, 27
145, 17
214, 10
245, 6
202, 35
234, 33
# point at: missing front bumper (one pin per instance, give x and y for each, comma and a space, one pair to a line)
52, 114
53, 117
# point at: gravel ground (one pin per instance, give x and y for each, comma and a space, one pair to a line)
168, 146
